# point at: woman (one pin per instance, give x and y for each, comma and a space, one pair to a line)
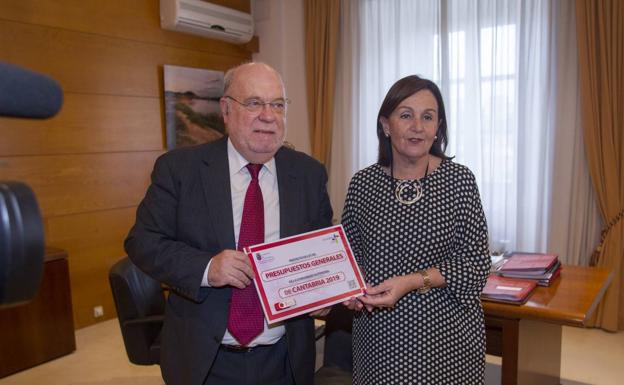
415, 223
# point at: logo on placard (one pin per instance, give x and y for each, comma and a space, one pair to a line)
332, 238
263, 257
285, 304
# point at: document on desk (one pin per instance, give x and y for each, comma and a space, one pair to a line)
305, 272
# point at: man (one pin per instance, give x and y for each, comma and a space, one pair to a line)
202, 204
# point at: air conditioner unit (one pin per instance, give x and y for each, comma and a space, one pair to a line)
206, 19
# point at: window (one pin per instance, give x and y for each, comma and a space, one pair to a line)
492, 62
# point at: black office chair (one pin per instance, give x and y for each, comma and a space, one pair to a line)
140, 304
337, 359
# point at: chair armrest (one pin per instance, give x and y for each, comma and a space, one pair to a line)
144, 320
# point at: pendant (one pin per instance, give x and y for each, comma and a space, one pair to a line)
413, 188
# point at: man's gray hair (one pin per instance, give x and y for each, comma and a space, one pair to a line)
229, 76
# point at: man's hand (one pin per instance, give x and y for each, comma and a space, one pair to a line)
230, 267
320, 313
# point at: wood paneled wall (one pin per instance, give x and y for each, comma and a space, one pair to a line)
89, 166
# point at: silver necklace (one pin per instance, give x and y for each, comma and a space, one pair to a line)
408, 192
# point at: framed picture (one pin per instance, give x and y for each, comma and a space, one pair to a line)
192, 110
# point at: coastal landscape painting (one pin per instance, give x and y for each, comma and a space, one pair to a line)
192, 108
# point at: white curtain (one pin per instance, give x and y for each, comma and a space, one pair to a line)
496, 62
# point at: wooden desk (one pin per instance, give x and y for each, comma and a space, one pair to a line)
42, 329
528, 337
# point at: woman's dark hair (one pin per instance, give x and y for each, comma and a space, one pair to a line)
400, 91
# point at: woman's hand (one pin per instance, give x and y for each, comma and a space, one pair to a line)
355, 303
389, 292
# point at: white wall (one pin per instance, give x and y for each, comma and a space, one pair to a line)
280, 28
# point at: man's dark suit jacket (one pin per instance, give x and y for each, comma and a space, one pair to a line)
185, 219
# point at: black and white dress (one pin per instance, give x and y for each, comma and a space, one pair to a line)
432, 338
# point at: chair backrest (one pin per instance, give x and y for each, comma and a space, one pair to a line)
337, 351
140, 305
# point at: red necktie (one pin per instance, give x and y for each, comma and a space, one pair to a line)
246, 319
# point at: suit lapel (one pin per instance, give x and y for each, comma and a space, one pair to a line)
289, 196
215, 176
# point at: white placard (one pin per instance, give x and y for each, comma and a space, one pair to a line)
305, 272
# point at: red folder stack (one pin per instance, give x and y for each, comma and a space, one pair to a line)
543, 268
507, 290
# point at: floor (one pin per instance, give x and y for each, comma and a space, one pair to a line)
590, 356
99, 359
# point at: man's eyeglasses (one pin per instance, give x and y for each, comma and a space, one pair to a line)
256, 105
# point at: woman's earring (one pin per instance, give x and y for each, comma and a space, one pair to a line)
435, 137
387, 134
